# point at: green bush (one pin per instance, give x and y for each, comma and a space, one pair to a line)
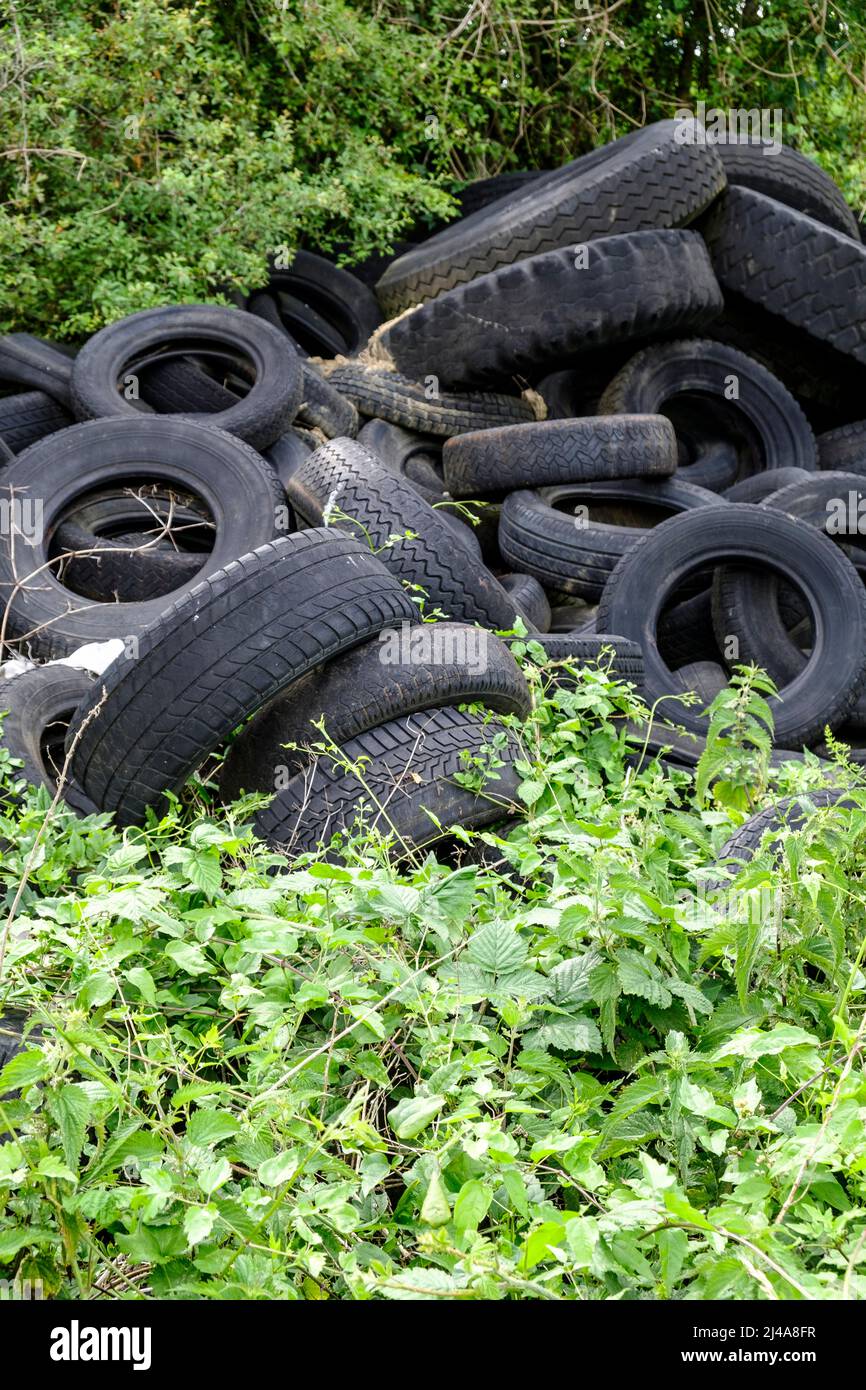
570, 1074
156, 151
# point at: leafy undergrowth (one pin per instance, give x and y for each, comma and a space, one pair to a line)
559, 1073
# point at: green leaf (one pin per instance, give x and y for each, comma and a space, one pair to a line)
497, 947
472, 1204
435, 1210
412, 1116
23, 1070
637, 975
754, 1043
574, 1034
97, 990
11, 1241
198, 1223
72, 1108
189, 957
280, 1168
207, 1127
143, 981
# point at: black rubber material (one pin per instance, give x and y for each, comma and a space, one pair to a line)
483, 192
12, 1025
221, 652
801, 271
288, 452
323, 408
832, 679
572, 618
762, 485
409, 768
40, 704
764, 422
239, 491
649, 179
577, 559
37, 365
118, 351
543, 311
390, 396
789, 176
623, 658
135, 547
425, 666
331, 294
549, 452
377, 506
183, 385
843, 448
792, 811
747, 601
703, 678
529, 599
29, 416
416, 457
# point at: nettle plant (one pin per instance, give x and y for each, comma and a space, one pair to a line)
553, 1070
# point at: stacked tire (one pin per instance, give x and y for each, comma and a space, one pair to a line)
585, 413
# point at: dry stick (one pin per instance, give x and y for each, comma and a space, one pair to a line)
49, 816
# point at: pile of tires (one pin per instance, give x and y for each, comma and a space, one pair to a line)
615, 404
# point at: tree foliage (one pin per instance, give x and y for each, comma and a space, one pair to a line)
153, 151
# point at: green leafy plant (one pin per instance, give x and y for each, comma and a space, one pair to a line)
563, 1074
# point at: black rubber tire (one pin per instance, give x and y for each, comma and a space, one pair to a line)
360, 690
183, 385
29, 416
323, 408
237, 488
126, 560
828, 385
409, 767
623, 658
834, 676
517, 320
806, 274
765, 423
415, 457
715, 465
548, 452
337, 296
791, 811
529, 599
574, 559
288, 452
649, 179
12, 1025
387, 395
37, 365
113, 353
746, 602
40, 705
702, 678
842, 449
218, 654
343, 475
685, 631
790, 177
571, 619
482, 192
762, 485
